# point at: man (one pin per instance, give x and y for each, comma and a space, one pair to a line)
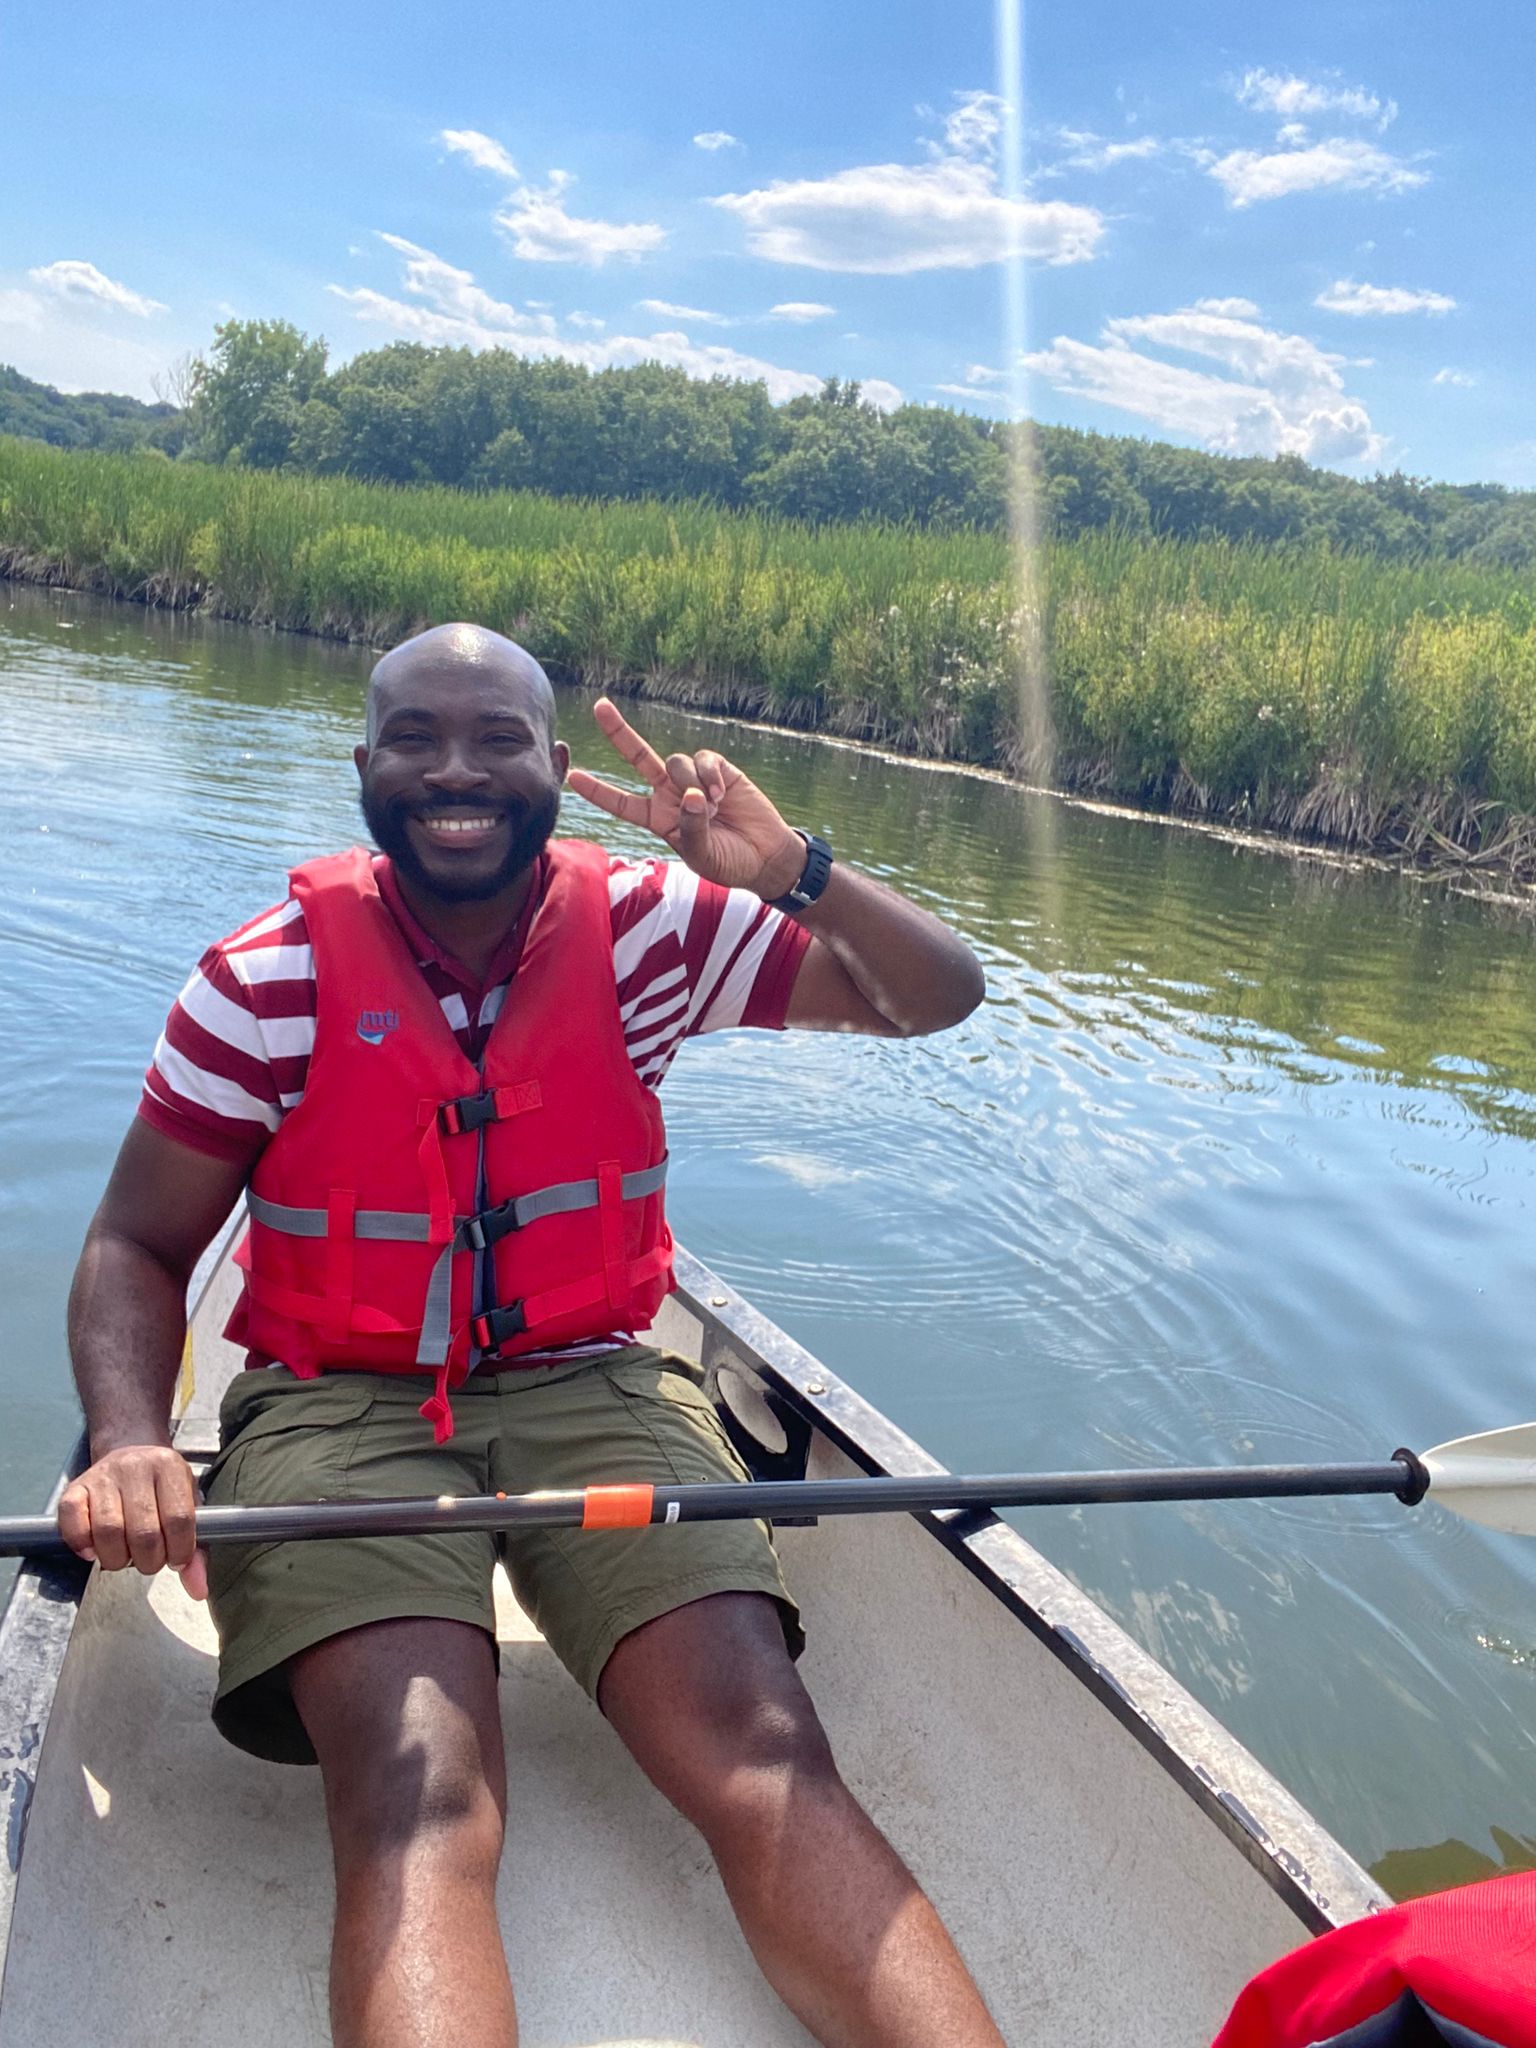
457, 1045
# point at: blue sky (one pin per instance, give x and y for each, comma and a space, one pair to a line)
1293, 228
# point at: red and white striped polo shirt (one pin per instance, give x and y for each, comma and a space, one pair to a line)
688, 956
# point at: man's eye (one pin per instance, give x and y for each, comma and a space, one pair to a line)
505, 739
410, 739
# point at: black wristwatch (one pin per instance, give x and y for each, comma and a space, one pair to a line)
813, 876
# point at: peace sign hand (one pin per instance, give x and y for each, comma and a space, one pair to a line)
704, 808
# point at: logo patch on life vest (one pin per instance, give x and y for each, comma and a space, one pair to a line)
372, 1025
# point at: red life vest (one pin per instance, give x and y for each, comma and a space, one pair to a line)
403, 1167
1458, 1966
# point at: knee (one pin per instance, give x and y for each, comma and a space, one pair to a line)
761, 1760
419, 1800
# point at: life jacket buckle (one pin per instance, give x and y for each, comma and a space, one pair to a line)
468, 1113
479, 1233
496, 1326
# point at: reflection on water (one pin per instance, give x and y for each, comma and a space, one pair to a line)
1408, 1873
1235, 1163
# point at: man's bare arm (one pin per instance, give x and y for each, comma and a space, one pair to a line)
127, 1326
878, 963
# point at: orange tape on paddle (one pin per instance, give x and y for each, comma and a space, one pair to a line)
617, 1507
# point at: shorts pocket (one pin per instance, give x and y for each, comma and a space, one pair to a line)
664, 1395
328, 1407
292, 1441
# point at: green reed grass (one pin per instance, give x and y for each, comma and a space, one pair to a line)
1369, 702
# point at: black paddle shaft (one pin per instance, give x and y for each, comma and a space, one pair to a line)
600, 1507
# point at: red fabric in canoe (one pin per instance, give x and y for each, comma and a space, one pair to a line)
1467, 1957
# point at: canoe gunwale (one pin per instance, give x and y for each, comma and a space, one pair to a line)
1316, 1878
35, 1628
36, 1625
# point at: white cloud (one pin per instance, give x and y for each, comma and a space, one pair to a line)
63, 342
535, 218
670, 312
543, 232
454, 302
1345, 296
60, 325
715, 138
1281, 394
1462, 378
1092, 152
882, 396
947, 213
981, 385
1234, 309
800, 310
1274, 92
483, 151
1342, 163
72, 279
589, 321
972, 126
444, 304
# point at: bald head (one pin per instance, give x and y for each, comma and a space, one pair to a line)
457, 656
461, 771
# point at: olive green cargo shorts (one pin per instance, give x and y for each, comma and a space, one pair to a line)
633, 1414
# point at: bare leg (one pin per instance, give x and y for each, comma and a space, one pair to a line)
404, 1719
710, 1705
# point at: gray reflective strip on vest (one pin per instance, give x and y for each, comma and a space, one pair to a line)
396, 1224
570, 1195
400, 1226
437, 1315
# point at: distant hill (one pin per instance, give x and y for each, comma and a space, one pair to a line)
489, 421
85, 419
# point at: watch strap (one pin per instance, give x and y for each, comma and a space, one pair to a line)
813, 876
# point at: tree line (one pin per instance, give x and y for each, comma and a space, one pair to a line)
265, 397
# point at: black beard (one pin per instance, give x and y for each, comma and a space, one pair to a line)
531, 826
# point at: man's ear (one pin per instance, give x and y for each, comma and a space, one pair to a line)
560, 754
360, 758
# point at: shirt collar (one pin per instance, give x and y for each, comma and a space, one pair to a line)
430, 954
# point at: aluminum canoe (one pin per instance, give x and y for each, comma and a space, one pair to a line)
1112, 1863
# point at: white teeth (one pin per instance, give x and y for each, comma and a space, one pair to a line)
460, 824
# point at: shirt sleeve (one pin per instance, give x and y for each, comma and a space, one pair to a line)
758, 950
691, 957
234, 1054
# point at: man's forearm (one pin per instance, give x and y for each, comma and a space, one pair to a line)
127, 1327
905, 962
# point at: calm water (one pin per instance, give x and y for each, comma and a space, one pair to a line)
1238, 1161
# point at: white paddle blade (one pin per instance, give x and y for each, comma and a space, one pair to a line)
1489, 1478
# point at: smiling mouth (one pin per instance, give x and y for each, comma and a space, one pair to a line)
461, 829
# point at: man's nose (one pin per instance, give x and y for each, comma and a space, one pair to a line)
456, 769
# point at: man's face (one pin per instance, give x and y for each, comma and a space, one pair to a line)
461, 786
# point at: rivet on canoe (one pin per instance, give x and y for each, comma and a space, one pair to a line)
719, 1300
815, 1387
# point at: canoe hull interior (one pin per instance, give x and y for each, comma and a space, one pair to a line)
172, 1888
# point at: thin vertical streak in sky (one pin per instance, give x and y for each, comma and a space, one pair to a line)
1036, 735
1010, 90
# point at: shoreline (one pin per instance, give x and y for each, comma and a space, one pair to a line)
1509, 883
1252, 838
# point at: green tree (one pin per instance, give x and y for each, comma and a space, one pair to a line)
248, 392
